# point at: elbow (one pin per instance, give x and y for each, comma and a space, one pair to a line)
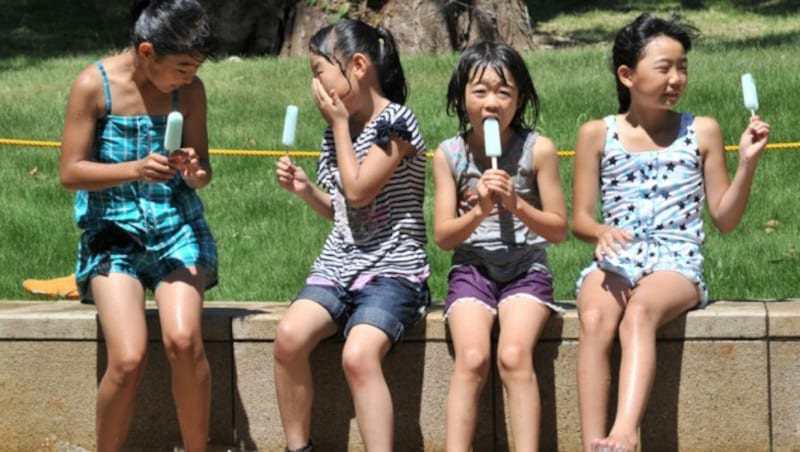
68, 182
442, 240
559, 235
725, 229
443, 243
358, 200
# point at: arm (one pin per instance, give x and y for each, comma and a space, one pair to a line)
449, 229
551, 221
361, 182
588, 153
728, 200
292, 178
196, 172
85, 106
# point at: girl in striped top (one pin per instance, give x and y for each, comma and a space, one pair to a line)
499, 222
370, 281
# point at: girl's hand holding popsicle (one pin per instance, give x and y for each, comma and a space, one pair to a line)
756, 135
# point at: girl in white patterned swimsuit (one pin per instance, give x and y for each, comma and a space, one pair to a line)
655, 168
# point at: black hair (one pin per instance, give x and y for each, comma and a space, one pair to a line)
634, 37
502, 59
173, 27
338, 43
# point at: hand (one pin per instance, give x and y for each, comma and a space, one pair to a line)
187, 163
754, 139
155, 168
609, 242
330, 106
291, 177
501, 187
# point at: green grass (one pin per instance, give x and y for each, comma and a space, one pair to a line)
267, 239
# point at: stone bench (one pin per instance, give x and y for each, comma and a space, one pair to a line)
728, 379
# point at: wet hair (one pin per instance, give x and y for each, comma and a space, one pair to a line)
338, 43
502, 59
631, 40
173, 27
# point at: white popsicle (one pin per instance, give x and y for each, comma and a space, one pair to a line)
750, 94
174, 133
289, 126
491, 140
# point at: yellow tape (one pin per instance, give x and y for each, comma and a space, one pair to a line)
313, 154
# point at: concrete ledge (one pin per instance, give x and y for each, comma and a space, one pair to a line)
726, 380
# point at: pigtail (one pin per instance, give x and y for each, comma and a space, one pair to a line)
390, 71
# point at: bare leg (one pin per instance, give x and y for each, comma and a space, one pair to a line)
658, 299
120, 308
521, 323
600, 307
470, 325
304, 325
364, 350
180, 308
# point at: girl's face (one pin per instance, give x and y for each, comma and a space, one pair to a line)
170, 72
330, 76
488, 95
660, 77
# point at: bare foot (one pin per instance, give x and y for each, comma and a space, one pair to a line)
615, 443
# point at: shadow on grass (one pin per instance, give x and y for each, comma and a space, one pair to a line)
42, 29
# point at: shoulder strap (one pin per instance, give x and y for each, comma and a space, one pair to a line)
106, 87
175, 98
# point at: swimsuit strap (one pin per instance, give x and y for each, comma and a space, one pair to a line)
106, 87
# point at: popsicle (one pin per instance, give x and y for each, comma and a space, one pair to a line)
289, 127
173, 135
491, 140
750, 94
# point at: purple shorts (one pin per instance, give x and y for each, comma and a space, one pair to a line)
469, 282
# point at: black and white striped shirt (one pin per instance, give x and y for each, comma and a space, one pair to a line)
388, 236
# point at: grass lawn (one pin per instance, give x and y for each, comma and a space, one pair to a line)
267, 239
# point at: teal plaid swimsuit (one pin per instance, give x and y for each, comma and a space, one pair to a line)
146, 230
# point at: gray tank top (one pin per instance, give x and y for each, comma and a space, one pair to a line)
501, 244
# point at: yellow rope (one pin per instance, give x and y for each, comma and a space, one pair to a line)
312, 154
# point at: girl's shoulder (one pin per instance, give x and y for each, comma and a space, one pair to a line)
454, 151
706, 124
596, 128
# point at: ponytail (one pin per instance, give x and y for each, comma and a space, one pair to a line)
390, 71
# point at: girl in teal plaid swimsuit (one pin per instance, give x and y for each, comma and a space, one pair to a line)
143, 224
655, 168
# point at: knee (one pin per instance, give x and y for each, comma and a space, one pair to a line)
473, 361
359, 364
598, 325
514, 359
288, 342
128, 368
638, 318
183, 344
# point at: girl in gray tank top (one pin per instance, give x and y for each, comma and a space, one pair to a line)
498, 222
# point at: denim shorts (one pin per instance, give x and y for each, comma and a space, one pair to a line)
389, 304
470, 282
